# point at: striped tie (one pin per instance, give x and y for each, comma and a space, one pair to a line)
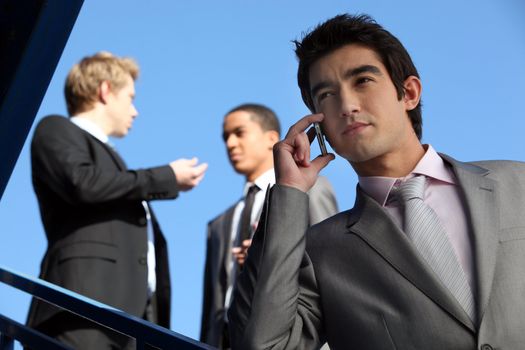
425, 230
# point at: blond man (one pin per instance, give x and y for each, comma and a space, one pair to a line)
103, 239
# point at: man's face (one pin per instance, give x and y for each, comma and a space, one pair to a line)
364, 120
120, 109
249, 147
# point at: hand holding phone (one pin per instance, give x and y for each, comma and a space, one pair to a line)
320, 139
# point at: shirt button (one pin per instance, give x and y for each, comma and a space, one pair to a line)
486, 347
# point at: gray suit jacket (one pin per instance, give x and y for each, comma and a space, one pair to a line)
218, 256
357, 282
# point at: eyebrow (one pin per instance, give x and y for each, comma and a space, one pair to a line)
234, 131
367, 68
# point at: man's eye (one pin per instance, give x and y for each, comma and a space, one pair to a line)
363, 80
323, 95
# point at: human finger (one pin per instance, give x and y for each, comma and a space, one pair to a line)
321, 161
303, 123
236, 250
246, 244
302, 149
311, 134
200, 169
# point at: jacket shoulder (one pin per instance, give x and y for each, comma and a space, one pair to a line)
500, 165
53, 120
54, 124
490, 168
333, 225
506, 172
228, 212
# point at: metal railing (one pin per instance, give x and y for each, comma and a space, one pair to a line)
33, 35
145, 333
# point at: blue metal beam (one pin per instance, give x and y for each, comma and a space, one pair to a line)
143, 331
31, 49
10, 329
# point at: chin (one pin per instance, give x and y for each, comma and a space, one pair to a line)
241, 170
357, 157
119, 134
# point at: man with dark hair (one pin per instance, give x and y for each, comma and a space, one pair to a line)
345, 29
249, 131
430, 256
103, 238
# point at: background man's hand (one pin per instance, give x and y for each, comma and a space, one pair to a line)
241, 253
292, 156
188, 173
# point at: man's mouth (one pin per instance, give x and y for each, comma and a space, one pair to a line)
355, 128
235, 157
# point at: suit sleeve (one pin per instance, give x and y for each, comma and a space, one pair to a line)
276, 302
207, 292
66, 162
322, 201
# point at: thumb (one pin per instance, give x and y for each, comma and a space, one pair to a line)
321, 161
201, 168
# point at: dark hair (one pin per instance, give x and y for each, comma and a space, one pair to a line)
262, 115
348, 29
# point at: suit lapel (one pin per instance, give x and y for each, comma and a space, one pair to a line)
370, 221
481, 199
116, 157
226, 229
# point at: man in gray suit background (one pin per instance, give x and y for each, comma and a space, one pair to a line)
249, 132
431, 255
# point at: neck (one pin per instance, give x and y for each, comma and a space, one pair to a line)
255, 174
96, 116
391, 164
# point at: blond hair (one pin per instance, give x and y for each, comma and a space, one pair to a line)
84, 79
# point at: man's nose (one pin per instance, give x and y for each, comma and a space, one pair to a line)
349, 103
231, 141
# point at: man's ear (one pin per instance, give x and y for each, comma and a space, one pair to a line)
273, 137
412, 88
103, 91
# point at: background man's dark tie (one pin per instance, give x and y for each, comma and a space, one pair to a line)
245, 227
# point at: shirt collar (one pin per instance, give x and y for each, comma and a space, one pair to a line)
431, 165
265, 179
91, 128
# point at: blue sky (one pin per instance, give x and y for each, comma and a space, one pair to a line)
201, 58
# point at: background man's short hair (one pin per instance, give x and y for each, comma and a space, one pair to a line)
85, 78
260, 114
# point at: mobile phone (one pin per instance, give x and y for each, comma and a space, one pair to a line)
320, 138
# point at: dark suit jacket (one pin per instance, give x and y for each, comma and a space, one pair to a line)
91, 208
357, 282
218, 256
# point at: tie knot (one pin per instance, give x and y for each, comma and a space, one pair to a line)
252, 190
412, 188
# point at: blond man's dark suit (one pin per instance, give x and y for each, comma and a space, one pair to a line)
357, 281
218, 257
95, 223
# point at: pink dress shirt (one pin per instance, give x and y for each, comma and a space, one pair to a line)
442, 194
